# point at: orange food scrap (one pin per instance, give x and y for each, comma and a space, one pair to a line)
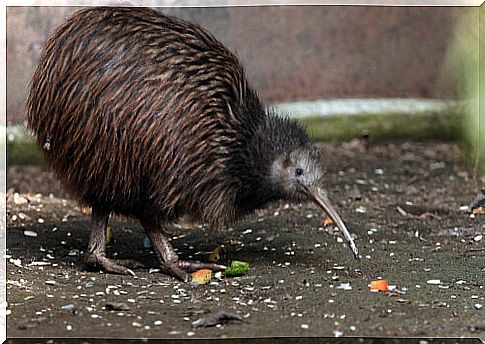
479, 211
380, 285
327, 221
202, 276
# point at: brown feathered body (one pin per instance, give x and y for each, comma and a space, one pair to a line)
146, 115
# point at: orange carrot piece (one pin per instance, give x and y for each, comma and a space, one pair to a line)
380, 285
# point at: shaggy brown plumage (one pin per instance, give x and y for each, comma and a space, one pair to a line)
149, 116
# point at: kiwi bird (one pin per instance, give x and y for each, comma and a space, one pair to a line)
149, 116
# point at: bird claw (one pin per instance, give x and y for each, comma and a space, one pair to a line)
99, 261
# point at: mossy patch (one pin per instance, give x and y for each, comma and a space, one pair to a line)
388, 127
22, 150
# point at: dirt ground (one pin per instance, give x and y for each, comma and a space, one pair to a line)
401, 201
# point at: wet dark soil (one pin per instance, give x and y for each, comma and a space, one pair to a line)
404, 202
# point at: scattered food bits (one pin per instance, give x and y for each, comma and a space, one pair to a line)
217, 254
30, 234
379, 285
344, 286
479, 211
237, 268
338, 333
401, 211
202, 276
327, 221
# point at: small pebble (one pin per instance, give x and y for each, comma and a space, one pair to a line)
305, 326
478, 306
433, 281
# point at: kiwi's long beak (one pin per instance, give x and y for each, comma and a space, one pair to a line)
318, 196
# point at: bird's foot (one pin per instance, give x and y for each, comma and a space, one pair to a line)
169, 260
117, 266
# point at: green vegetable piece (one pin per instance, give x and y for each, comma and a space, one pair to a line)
237, 268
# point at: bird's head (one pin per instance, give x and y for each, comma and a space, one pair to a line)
296, 169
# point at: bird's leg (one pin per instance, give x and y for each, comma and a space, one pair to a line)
169, 260
96, 253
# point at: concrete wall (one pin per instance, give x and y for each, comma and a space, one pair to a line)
290, 52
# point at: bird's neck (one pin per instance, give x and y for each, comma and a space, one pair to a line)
257, 185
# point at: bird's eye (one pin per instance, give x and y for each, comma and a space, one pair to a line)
298, 172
